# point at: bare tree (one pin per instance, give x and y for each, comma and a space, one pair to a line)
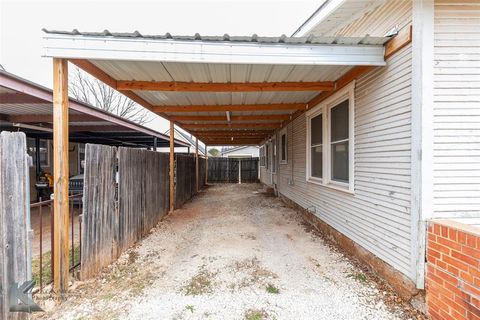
87, 89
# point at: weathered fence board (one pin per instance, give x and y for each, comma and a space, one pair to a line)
143, 193
99, 218
185, 184
249, 170
15, 263
117, 216
201, 173
228, 170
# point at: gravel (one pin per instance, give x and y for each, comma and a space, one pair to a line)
231, 253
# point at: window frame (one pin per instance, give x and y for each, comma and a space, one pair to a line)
283, 132
262, 156
273, 144
324, 108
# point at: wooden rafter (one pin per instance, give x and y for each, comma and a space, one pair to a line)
271, 117
237, 107
231, 132
402, 39
224, 87
251, 126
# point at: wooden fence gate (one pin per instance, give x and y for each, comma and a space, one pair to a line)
232, 170
15, 254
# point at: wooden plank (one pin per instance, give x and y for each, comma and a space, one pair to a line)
402, 39
212, 133
15, 259
255, 126
222, 108
60, 174
224, 87
272, 117
172, 166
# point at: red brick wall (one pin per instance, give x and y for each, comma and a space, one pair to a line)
453, 276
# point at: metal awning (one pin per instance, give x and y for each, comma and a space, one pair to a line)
226, 90
27, 106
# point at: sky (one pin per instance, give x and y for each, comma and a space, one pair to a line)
21, 24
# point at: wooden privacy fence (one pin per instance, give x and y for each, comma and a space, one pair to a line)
232, 170
15, 254
185, 178
119, 211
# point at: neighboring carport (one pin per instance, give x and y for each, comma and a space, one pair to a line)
224, 90
28, 107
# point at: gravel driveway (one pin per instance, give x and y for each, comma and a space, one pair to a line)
231, 253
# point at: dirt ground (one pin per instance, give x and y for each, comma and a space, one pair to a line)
231, 253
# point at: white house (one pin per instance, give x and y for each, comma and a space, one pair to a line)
396, 146
240, 152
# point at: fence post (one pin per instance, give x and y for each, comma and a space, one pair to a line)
239, 171
60, 175
172, 166
206, 164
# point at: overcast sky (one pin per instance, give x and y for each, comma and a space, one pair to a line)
21, 23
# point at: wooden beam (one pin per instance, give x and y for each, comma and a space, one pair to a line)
234, 143
272, 117
232, 132
172, 166
252, 126
222, 108
224, 87
60, 176
402, 39
196, 163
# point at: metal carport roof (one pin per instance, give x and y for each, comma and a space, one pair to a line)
27, 106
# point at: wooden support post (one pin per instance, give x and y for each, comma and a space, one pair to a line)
172, 166
60, 176
206, 164
196, 164
155, 143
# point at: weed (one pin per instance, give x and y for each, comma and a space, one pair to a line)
190, 307
255, 315
199, 284
359, 276
272, 289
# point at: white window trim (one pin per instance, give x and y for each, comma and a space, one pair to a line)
324, 108
262, 155
273, 144
283, 132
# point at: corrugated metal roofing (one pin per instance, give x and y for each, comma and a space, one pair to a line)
366, 40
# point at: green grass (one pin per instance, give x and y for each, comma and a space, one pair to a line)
359, 276
272, 289
255, 315
190, 307
47, 266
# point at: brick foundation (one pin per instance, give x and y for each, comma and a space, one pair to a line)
453, 275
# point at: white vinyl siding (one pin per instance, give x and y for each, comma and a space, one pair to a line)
457, 109
377, 216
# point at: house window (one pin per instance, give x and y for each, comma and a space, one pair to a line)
274, 155
330, 141
316, 146
267, 156
44, 152
262, 156
283, 146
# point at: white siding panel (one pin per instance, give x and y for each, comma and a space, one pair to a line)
377, 216
457, 109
